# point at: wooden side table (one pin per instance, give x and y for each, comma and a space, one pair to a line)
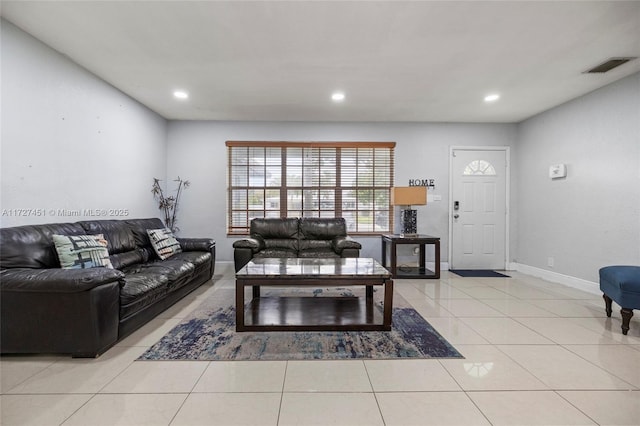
411, 272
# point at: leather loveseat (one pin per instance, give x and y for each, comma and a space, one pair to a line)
293, 237
46, 309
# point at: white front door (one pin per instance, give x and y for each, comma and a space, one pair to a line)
478, 208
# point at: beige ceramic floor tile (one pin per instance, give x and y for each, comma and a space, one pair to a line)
129, 410
564, 331
16, 369
561, 369
409, 375
575, 293
469, 308
455, 331
607, 407
408, 291
436, 290
326, 376
429, 408
229, 409
518, 308
39, 410
347, 409
242, 376
157, 376
610, 328
486, 368
526, 292
619, 360
505, 331
430, 308
571, 308
487, 293
541, 408
456, 281
80, 375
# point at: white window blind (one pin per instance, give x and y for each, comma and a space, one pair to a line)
311, 179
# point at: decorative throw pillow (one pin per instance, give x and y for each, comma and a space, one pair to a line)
82, 251
164, 243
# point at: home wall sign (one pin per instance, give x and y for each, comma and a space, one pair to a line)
429, 183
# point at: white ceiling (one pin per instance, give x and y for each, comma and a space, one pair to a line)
394, 60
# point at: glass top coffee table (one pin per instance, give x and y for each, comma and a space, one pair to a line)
287, 311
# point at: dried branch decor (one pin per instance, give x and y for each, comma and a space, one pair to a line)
169, 205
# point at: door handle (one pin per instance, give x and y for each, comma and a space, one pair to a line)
455, 216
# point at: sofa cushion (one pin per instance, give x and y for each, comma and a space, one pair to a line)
275, 228
141, 290
31, 246
117, 232
164, 243
196, 257
122, 260
139, 229
274, 252
279, 244
319, 233
318, 252
316, 245
178, 272
201, 260
82, 251
313, 228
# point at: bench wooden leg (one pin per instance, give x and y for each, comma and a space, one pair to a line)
607, 302
626, 318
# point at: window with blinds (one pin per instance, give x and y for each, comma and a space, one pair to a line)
311, 179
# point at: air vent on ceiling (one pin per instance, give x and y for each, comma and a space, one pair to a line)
609, 65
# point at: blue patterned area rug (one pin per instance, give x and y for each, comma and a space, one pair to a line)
208, 334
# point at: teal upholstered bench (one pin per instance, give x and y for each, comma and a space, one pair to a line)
622, 285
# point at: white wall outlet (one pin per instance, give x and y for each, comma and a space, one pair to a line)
550, 262
416, 250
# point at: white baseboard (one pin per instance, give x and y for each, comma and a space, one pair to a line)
555, 277
444, 266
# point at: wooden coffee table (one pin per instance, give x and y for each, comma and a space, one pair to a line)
288, 311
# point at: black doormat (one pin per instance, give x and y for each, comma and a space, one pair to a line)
477, 273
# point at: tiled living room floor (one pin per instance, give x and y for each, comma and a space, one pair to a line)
536, 353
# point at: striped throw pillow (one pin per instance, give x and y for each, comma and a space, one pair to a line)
164, 243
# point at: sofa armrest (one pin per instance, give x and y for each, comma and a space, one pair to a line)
341, 243
196, 244
26, 280
255, 244
200, 244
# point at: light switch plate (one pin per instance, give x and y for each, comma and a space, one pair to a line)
558, 171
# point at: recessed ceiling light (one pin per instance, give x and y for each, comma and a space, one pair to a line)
492, 98
180, 94
337, 96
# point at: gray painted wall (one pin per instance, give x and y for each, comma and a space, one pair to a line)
197, 151
70, 141
591, 218
72, 145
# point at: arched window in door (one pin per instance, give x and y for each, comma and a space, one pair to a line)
479, 168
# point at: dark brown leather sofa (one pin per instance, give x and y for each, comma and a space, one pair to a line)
83, 312
293, 237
